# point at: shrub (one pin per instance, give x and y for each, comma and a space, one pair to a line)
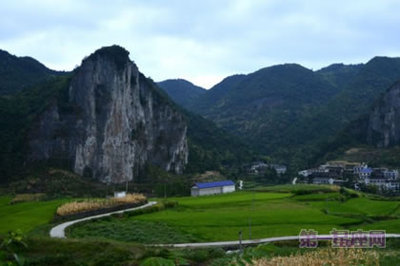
27, 197
324, 257
98, 204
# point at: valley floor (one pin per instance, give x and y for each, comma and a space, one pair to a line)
255, 214
265, 212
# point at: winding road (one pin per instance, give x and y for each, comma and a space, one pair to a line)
59, 232
250, 242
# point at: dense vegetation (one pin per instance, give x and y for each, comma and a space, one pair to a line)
181, 91
17, 73
292, 113
210, 148
116, 53
46, 251
17, 113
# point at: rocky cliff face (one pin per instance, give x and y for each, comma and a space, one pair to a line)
384, 121
111, 123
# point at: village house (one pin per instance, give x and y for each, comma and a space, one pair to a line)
391, 174
308, 172
323, 181
212, 188
365, 173
260, 167
336, 174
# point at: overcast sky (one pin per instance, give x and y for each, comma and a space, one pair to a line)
202, 41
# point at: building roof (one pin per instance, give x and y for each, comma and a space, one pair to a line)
215, 184
366, 170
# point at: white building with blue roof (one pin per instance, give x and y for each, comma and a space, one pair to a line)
212, 188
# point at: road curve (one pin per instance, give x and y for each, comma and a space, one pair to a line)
250, 242
59, 230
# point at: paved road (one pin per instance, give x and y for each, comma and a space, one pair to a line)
59, 230
249, 242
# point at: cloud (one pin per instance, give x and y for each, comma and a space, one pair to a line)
202, 41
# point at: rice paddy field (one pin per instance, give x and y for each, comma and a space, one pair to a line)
276, 211
255, 214
26, 216
272, 211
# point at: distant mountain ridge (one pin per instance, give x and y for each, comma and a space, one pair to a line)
181, 91
287, 110
17, 73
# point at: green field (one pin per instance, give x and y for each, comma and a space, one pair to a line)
274, 211
27, 215
221, 217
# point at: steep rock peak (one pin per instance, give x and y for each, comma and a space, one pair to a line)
116, 122
384, 120
115, 53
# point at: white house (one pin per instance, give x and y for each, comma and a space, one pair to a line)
119, 194
323, 180
211, 188
391, 174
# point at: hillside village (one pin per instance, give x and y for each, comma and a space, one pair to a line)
260, 167
355, 175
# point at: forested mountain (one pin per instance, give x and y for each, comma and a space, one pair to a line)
44, 122
373, 138
287, 111
181, 91
17, 73
339, 74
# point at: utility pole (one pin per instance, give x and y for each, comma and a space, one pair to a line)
249, 228
251, 212
240, 241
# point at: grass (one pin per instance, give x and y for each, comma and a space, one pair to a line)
363, 206
299, 188
210, 218
318, 196
131, 230
26, 215
48, 251
222, 217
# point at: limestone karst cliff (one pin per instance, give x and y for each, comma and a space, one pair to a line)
110, 122
384, 120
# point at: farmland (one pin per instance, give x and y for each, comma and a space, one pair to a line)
26, 216
222, 217
273, 211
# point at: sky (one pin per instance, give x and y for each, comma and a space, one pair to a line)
202, 41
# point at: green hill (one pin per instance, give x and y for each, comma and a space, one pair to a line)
287, 110
181, 91
17, 73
